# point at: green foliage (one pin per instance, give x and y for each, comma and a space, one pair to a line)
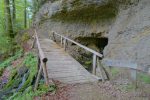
15, 79
114, 71
26, 91
2, 21
18, 23
5, 44
31, 62
20, 5
144, 78
29, 94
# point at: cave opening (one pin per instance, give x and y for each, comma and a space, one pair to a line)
96, 43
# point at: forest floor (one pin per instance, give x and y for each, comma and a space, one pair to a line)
95, 91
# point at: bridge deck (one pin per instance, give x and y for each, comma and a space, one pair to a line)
62, 67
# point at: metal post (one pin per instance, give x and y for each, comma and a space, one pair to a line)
94, 64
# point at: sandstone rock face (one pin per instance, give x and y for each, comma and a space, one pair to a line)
128, 33
129, 36
73, 29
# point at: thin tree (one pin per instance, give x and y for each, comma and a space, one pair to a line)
25, 14
14, 11
9, 27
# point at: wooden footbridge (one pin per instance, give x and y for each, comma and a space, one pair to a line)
57, 64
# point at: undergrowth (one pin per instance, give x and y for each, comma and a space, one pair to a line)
29, 94
7, 62
21, 86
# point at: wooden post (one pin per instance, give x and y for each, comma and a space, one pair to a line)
134, 77
65, 44
110, 72
61, 41
38, 78
33, 43
45, 72
100, 67
54, 36
94, 64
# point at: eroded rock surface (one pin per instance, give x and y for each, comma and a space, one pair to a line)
128, 33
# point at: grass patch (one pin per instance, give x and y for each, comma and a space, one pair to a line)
144, 78
29, 94
114, 71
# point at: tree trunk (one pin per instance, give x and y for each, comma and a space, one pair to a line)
9, 27
14, 11
25, 14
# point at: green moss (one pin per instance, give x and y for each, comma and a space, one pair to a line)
88, 14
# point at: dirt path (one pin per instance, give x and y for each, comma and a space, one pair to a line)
94, 91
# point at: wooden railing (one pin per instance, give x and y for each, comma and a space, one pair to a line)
42, 62
96, 55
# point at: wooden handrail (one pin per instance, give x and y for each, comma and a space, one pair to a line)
43, 61
41, 54
96, 55
80, 45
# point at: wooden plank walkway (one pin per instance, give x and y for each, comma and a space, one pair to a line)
62, 67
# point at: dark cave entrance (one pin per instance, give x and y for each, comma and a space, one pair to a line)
96, 43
